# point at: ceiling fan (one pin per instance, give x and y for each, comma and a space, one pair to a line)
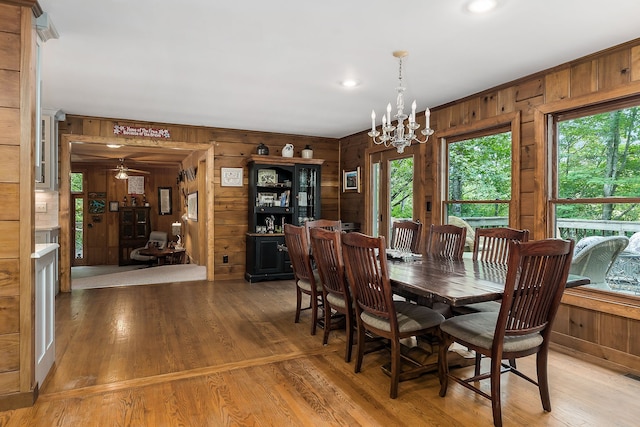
122, 171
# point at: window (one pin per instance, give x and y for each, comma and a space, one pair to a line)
479, 179
596, 191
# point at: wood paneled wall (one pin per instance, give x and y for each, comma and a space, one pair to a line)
17, 136
231, 149
594, 325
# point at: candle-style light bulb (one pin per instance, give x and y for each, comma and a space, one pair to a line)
413, 112
373, 121
427, 117
389, 113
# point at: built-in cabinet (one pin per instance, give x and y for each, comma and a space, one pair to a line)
46, 236
47, 173
134, 228
281, 191
46, 274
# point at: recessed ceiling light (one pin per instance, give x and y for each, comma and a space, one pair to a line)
349, 83
481, 6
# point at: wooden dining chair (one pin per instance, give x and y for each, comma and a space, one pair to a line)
326, 246
406, 236
376, 311
446, 241
536, 276
327, 224
492, 244
307, 280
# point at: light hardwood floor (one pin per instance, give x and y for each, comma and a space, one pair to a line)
228, 353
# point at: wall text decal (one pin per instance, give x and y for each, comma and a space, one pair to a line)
141, 131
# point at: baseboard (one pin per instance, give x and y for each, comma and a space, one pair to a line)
18, 400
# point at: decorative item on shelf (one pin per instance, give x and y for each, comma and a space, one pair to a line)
124, 201
134, 201
267, 177
287, 150
307, 153
395, 135
270, 221
263, 150
176, 230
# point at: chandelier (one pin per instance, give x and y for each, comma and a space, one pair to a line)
401, 135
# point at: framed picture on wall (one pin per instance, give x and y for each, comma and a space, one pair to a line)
192, 206
231, 177
164, 200
113, 206
351, 180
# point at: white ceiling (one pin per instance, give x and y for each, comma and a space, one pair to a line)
275, 65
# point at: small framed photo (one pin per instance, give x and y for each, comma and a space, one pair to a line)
351, 180
192, 206
113, 206
267, 177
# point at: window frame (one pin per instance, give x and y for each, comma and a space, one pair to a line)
509, 122
552, 123
588, 298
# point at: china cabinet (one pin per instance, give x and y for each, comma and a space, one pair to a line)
281, 191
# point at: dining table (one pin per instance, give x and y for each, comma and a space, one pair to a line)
428, 280
454, 282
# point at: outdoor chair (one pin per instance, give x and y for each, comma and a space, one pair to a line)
594, 257
376, 311
634, 242
536, 277
406, 236
307, 280
327, 253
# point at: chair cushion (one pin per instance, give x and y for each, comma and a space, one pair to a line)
411, 317
478, 329
306, 285
335, 300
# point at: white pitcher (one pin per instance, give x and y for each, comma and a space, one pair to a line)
287, 151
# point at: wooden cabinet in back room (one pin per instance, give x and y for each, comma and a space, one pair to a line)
134, 229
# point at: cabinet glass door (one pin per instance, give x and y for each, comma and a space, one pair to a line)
308, 184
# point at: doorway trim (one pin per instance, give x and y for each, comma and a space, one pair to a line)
65, 191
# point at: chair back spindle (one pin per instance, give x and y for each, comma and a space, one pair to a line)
492, 244
446, 241
406, 236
